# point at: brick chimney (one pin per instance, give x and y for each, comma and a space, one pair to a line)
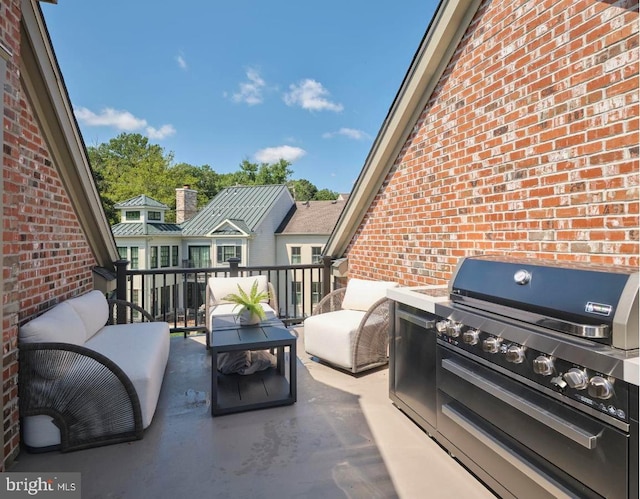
186, 203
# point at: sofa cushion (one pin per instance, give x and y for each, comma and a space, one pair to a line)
141, 350
61, 324
362, 294
221, 287
93, 309
330, 336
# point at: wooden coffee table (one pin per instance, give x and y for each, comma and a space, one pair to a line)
269, 388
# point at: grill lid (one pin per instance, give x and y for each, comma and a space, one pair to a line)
579, 299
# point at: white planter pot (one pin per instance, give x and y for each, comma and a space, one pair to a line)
246, 318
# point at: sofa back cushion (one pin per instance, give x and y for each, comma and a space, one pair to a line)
93, 309
362, 294
61, 324
221, 287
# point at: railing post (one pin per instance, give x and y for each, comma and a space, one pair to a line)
233, 266
121, 289
326, 275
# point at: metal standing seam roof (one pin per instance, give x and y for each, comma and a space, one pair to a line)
141, 201
153, 229
241, 203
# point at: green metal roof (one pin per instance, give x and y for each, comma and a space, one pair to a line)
140, 202
248, 204
138, 229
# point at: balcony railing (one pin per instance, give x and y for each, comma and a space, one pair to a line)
177, 295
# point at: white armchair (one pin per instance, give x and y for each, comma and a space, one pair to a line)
220, 287
349, 328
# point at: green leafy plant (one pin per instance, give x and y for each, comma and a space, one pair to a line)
250, 302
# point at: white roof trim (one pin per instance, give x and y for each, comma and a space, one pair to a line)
451, 20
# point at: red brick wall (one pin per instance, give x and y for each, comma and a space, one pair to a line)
528, 147
46, 257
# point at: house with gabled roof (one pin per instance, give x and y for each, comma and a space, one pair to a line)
260, 225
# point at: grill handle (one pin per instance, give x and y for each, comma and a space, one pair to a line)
542, 479
575, 433
415, 319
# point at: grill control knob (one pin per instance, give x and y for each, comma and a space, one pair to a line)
491, 344
453, 329
576, 379
471, 336
543, 365
441, 326
600, 388
515, 354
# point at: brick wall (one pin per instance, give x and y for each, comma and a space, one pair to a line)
528, 147
46, 257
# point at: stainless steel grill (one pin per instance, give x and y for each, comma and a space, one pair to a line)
533, 380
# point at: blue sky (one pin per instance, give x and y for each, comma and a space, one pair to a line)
219, 82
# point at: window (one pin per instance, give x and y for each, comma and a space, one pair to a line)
134, 257
132, 215
228, 249
135, 299
296, 293
164, 256
199, 256
154, 257
122, 251
154, 215
316, 254
316, 293
174, 256
296, 255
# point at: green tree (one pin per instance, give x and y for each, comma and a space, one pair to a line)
325, 195
302, 190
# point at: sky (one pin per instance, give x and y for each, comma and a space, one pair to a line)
215, 83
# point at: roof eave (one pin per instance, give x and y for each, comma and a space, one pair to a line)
449, 23
47, 94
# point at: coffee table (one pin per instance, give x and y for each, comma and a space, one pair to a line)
269, 388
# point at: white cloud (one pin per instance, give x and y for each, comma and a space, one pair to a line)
250, 91
122, 120
182, 62
160, 133
274, 154
311, 95
350, 133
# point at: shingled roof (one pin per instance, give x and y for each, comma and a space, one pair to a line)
312, 217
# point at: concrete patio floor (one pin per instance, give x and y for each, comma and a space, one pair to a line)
343, 438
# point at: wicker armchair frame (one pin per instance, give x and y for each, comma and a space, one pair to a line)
89, 397
370, 347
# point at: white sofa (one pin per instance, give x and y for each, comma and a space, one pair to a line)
83, 382
349, 328
218, 288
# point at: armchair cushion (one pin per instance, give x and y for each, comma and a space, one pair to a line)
362, 294
221, 287
330, 336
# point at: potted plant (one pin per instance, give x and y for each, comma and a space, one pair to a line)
251, 312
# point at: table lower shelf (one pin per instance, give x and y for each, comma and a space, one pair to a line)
236, 392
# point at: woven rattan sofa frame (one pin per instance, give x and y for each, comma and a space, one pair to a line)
371, 341
89, 397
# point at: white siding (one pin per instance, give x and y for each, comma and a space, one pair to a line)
262, 247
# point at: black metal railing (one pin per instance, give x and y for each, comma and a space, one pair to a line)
177, 295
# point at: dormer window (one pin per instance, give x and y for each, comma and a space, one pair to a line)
132, 215
155, 216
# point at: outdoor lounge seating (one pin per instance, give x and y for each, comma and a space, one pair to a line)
218, 288
349, 328
83, 383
